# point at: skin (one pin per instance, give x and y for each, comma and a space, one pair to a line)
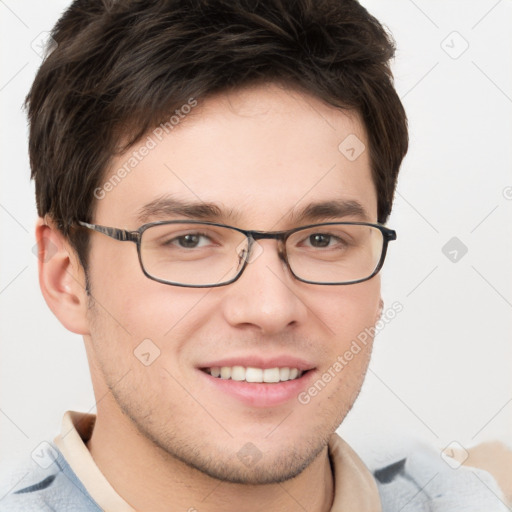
162, 435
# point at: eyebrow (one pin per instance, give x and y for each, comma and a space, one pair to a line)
167, 207
333, 209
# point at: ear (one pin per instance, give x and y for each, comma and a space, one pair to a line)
61, 278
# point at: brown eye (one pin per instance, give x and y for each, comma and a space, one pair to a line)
188, 241
319, 240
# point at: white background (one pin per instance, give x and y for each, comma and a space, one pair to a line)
441, 369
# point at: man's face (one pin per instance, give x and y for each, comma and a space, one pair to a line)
261, 154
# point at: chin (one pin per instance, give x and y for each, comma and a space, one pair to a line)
251, 467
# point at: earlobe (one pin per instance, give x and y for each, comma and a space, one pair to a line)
61, 278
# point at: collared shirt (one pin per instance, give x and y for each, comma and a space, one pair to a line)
355, 487
64, 477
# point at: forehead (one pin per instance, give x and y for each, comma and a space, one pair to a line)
260, 155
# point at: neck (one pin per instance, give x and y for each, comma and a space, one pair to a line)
150, 479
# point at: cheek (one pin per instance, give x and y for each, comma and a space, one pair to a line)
133, 304
349, 313
338, 382
349, 310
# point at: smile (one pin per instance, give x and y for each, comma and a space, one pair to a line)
252, 374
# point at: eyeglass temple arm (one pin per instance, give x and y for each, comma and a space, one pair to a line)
117, 234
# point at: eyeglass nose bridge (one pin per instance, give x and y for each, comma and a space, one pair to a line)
254, 236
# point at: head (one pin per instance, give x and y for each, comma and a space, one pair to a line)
243, 110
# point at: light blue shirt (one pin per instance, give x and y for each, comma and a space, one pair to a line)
419, 482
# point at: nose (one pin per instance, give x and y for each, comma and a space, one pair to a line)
266, 296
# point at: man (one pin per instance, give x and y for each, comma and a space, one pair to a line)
213, 179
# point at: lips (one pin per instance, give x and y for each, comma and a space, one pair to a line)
259, 362
257, 381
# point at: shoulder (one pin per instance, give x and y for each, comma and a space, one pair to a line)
415, 477
43, 482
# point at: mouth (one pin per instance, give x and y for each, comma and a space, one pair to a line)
257, 382
254, 374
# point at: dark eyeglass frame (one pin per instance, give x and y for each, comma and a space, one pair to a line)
124, 235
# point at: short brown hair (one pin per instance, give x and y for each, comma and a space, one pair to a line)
121, 66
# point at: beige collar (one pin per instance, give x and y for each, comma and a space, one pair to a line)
354, 488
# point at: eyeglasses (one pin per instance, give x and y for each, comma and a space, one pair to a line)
206, 254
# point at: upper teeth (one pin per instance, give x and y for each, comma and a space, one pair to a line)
251, 374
